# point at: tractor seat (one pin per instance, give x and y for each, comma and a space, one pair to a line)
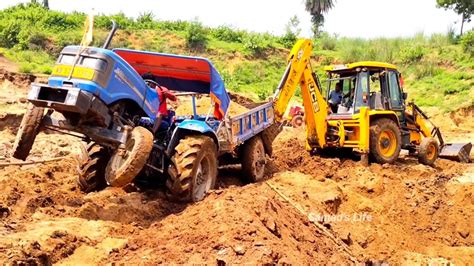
376, 101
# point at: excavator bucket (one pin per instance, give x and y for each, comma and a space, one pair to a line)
456, 151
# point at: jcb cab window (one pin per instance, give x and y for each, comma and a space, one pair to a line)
394, 87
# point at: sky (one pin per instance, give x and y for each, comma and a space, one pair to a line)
349, 18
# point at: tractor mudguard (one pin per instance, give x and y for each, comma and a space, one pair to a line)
190, 127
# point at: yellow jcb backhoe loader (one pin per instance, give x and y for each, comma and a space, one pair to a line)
370, 118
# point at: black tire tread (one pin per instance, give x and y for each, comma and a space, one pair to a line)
180, 170
423, 151
26, 135
375, 129
248, 159
91, 170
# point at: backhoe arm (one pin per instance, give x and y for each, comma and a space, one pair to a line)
299, 72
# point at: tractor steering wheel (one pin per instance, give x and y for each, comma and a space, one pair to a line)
151, 82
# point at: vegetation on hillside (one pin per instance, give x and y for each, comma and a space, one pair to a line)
438, 69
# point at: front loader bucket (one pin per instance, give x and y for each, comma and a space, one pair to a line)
456, 151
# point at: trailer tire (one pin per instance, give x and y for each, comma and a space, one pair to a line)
125, 164
26, 135
91, 169
428, 151
253, 160
193, 169
385, 141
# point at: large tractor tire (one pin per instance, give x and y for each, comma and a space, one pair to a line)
91, 170
253, 160
29, 128
385, 141
125, 164
297, 121
193, 169
428, 151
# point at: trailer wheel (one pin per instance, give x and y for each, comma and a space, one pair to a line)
385, 141
297, 121
193, 169
253, 160
91, 169
26, 135
428, 151
125, 164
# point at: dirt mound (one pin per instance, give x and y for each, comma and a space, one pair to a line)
242, 100
400, 213
203, 105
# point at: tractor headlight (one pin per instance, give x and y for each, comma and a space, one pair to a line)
71, 97
33, 93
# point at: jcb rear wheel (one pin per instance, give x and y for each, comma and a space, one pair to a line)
26, 135
193, 169
125, 164
428, 151
253, 160
385, 141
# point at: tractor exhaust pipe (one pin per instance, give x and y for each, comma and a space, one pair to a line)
111, 35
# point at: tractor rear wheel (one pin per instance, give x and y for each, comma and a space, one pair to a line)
428, 151
125, 164
385, 141
253, 160
26, 135
91, 170
193, 169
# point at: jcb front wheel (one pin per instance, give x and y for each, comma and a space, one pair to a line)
26, 135
428, 151
385, 141
125, 164
193, 169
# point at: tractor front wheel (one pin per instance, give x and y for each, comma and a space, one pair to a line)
126, 163
193, 169
26, 135
385, 141
428, 151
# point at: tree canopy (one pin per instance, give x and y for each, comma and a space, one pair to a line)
465, 8
316, 9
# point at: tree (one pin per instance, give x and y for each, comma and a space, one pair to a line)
292, 31
316, 9
46, 4
465, 8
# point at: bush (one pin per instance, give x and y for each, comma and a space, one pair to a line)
467, 42
412, 53
227, 34
257, 44
9, 33
37, 41
327, 42
196, 35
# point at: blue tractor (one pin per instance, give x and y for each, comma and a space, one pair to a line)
100, 96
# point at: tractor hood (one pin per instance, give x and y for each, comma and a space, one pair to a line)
181, 73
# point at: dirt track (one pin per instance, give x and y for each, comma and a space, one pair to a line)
401, 213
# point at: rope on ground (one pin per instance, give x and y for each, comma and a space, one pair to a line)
32, 162
318, 225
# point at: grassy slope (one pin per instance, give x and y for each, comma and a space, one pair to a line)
437, 73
